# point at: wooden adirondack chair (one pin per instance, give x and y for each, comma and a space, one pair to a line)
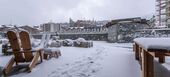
24, 54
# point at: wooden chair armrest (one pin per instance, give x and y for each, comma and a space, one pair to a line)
9, 66
167, 54
25, 51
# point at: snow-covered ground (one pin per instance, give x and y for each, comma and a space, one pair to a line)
102, 60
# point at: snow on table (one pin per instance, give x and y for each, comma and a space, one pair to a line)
154, 43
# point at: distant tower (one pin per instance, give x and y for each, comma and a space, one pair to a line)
71, 22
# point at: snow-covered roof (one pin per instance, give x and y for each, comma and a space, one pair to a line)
154, 43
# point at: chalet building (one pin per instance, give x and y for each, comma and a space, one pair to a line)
87, 23
125, 30
36, 27
82, 30
5, 28
102, 23
88, 33
30, 29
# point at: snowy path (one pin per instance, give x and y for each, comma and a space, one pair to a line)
103, 60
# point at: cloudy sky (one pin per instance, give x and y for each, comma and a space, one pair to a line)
35, 12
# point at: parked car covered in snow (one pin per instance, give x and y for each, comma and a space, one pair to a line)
67, 42
81, 42
78, 41
55, 43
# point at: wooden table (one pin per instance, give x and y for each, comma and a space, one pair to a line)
146, 56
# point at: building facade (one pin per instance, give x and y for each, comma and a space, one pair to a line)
162, 13
51, 27
125, 30
168, 13
87, 23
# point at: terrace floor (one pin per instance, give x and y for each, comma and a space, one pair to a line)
102, 60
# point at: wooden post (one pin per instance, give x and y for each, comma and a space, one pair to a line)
140, 56
161, 56
147, 64
136, 51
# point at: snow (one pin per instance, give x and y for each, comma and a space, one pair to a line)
4, 40
79, 40
167, 63
68, 42
35, 42
44, 40
154, 43
102, 60
51, 49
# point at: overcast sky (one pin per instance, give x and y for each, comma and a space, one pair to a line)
35, 12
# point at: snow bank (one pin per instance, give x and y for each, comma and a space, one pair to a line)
154, 43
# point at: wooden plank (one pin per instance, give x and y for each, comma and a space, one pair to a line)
26, 45
140, 56
34, 61
8, 68
40, 51
14, 42
158, 50
147, 64
152, 53
167, 54
161, 57
13, 39
136, 51
140, 51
